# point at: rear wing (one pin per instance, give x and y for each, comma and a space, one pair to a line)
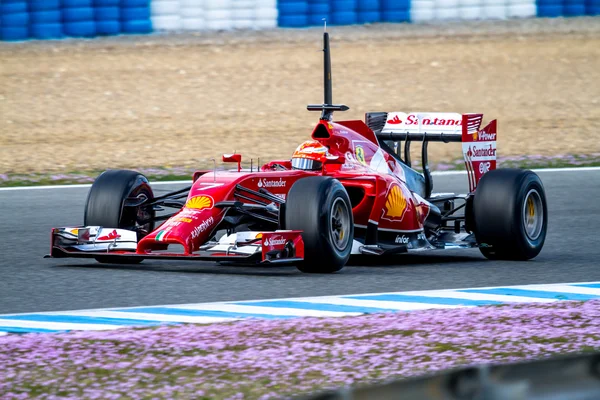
479, 145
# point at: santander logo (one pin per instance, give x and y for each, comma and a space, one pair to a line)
435, 119
413, 120
394, 121
271, 183
111, 236
275, 242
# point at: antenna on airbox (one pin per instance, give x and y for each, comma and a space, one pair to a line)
327, 108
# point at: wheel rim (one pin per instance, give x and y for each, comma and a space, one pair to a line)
533, 214
340, 224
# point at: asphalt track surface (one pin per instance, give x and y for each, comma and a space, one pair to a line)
30, 283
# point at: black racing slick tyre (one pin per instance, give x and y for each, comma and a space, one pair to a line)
510, 214
118, 199
319, 206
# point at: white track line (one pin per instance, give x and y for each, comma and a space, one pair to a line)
566, 169
249, 309
560, 288
59, 326
449, 294
144, 316
392, 305
434, 173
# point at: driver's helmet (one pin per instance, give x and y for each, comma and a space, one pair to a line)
309, 156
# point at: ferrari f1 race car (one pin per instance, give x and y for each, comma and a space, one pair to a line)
349, 190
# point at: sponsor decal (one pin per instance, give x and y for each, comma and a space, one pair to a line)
183, 219
160, 236
484, 167
421, 236
189, 213
360, 155
475, 152
413, 120
483, 136
111, 236
401, 239
202, 227
281, 196
270, 183
275, 241
395, 204
74, 231
394, 121
200, 203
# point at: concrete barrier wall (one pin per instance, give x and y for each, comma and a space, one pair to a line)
55, 19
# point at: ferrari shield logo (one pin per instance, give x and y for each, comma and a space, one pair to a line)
360, 155
395, 205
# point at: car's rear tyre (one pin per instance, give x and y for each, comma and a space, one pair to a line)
111, 204
510, 214
319, 206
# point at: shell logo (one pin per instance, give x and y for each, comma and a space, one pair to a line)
475, 135
396, 203
200, 203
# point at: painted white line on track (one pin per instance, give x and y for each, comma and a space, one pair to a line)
560, 288
434, 173
83, 185
249, 309
58, 326
449, 294
566, 169
440, 292
144, 316
392, 305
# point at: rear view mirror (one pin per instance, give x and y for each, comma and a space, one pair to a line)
233, 158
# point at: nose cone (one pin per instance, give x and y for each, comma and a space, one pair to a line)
190, 228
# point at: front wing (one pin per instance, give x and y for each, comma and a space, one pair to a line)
278, 247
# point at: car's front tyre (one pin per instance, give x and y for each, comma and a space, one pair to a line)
118, 199
319, 206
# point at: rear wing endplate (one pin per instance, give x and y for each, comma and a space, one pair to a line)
479, 145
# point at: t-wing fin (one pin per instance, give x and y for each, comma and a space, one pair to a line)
327, 108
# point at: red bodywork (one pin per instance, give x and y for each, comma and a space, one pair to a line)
381, 196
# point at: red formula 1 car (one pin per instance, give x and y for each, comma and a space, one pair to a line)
348, 190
